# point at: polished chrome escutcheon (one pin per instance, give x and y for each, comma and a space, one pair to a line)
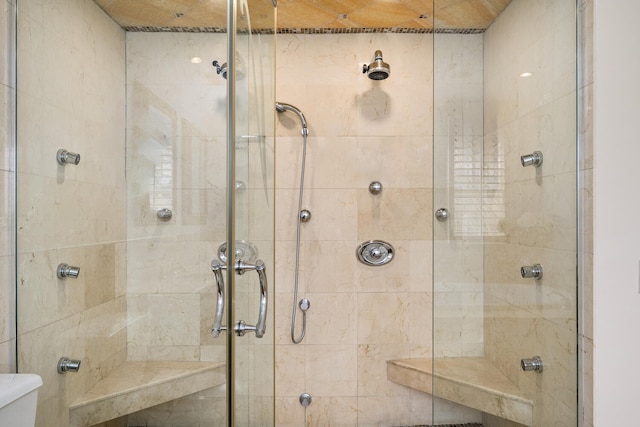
531, 271
65, 157
165, 214
533, 159
68, 365
305, 399
375, 253
64, 270
533, 364
442, 214
375, 188
240, 327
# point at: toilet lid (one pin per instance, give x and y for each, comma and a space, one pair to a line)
14, 386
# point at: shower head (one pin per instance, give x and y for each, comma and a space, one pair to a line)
222, 69
378, 69
281, 107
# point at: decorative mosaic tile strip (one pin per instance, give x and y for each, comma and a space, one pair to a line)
143, 29
380, 30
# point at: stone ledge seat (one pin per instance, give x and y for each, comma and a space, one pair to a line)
469, 381
139, 385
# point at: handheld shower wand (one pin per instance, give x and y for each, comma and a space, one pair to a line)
304, 303
281, 107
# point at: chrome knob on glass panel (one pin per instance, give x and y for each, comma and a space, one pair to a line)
442, 214
165, 214
534, 364
531, 271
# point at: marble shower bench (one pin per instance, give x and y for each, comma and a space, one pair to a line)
468, 381
139, 385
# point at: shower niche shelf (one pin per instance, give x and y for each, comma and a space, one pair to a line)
135, 386
468, 381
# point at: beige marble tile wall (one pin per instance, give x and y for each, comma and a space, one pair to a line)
360, 131
176, 160
71, 95
7, 183
177, 126
524, 317
458, 261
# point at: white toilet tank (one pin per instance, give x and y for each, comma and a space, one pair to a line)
19, 399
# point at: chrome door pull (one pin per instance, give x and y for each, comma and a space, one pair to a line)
261, 325
240, 327
218, 327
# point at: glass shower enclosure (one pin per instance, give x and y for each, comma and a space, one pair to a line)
141, 167
504, 288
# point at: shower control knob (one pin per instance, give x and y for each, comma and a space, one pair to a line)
375, 253
442, 214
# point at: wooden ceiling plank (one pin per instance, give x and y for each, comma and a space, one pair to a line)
451, 14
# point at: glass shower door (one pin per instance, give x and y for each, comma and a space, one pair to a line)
140, 212
250, 202
505, 302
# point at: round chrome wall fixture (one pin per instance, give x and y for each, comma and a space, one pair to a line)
375, 188
375, 253
244, 251
305, 399
165, 214
442, 214
305, 215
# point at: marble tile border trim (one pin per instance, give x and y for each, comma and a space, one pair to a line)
469, 381
139, 385
147, 29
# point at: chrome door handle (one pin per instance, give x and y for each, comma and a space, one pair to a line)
218, 327
261, 325
241, 327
